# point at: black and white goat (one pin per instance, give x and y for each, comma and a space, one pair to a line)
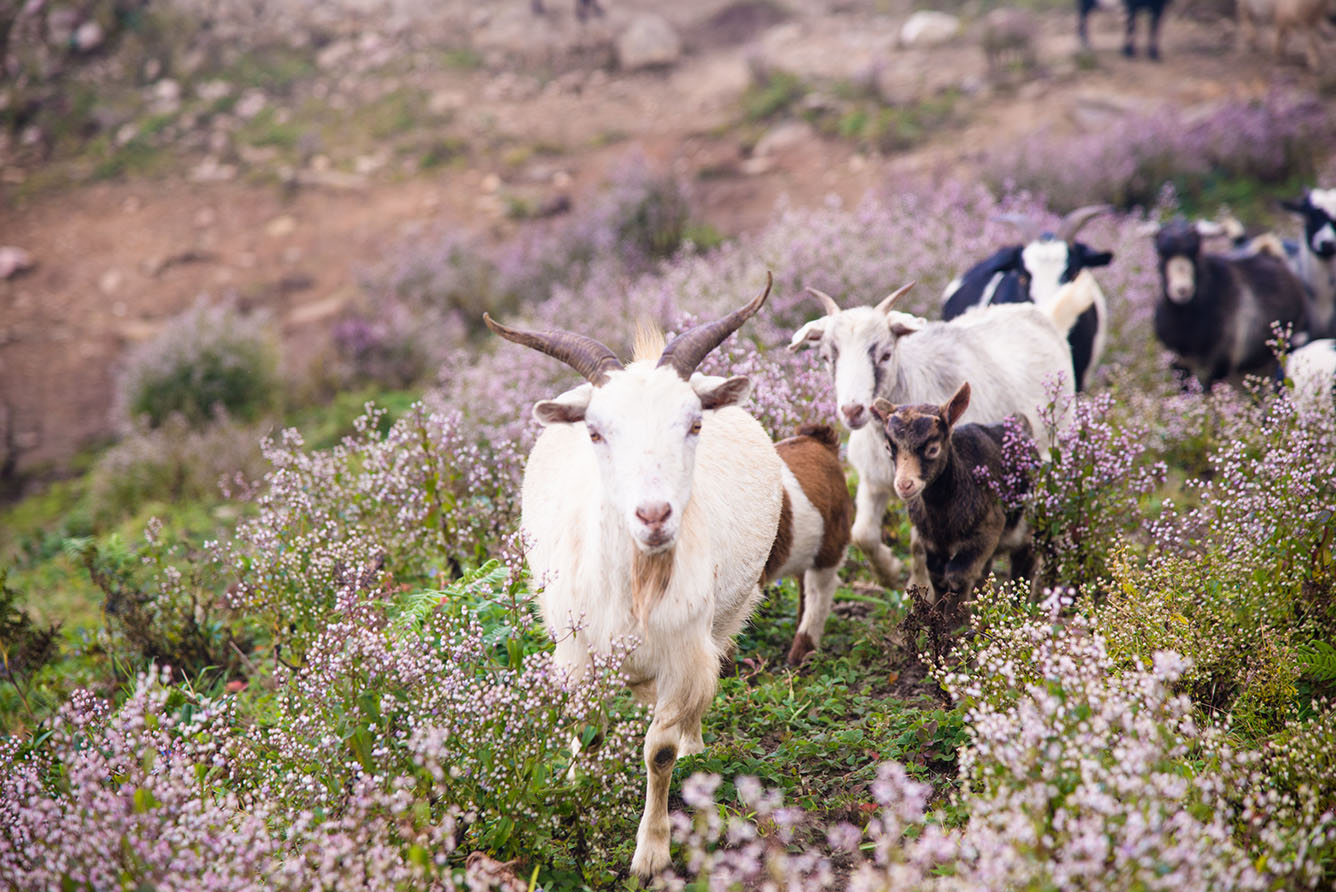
1032, 273
1315, 260
1215, 310
1154, 10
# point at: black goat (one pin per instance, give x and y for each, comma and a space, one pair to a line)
1215, 311
1032, 273
1154, 10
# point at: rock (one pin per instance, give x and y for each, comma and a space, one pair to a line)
445, 101
205, 217
167, 90
251, 103
648, 42
335, 55
211, 170
212, 91
110, 281
782, 137
13, 261
490, 183
928, 27
88, 37
280, 226
756, 165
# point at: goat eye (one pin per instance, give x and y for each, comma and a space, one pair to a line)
595, 436
695, 427
885, 356
932, 451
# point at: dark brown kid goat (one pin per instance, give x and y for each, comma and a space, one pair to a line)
959, 520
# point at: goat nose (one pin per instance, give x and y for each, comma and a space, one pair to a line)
852, 411
654, 514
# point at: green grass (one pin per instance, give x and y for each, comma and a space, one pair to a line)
772, 98
274, 69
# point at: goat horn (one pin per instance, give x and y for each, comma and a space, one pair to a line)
1072, 223
827, 302
889, 300
1024, 223
686, 351
587, 356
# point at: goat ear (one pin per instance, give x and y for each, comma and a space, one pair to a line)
566, 409
902, 324
812, 331
716, 392
1297, 205
882, 409
956, 406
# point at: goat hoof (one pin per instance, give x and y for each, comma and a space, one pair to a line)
1129, 51
1154, 54
649, 860
802, 646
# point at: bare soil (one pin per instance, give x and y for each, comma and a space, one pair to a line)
115, 259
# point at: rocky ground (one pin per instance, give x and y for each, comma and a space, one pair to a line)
279, 157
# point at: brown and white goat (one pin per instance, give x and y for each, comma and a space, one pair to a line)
960, 523
814, 528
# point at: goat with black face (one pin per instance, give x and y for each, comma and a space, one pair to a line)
1315, 261
1033, 272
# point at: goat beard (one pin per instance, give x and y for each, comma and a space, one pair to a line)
650, 575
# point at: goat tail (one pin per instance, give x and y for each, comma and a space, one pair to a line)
1072, 299
823, 434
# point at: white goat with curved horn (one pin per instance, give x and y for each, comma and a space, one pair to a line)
1012, 351
652, 503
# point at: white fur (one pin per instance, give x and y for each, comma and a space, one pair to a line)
578, 510
818, 590
1046, 262
1008, 353
1313, 370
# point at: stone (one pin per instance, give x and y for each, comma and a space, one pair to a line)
280, 226
648, 42
110, 281
251, 103
782, 137
88, 37
13, 261
928, 27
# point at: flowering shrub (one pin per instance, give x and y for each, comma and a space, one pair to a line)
408, 735
210, 356
1245, 576
173, 462
1075, 777
426, 499
1127, 162
1090, 486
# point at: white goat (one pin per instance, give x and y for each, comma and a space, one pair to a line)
1312, 368
1008, 352
652, 504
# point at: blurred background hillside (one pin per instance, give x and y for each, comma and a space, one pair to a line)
298, 161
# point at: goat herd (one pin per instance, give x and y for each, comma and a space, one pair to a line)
657, 508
